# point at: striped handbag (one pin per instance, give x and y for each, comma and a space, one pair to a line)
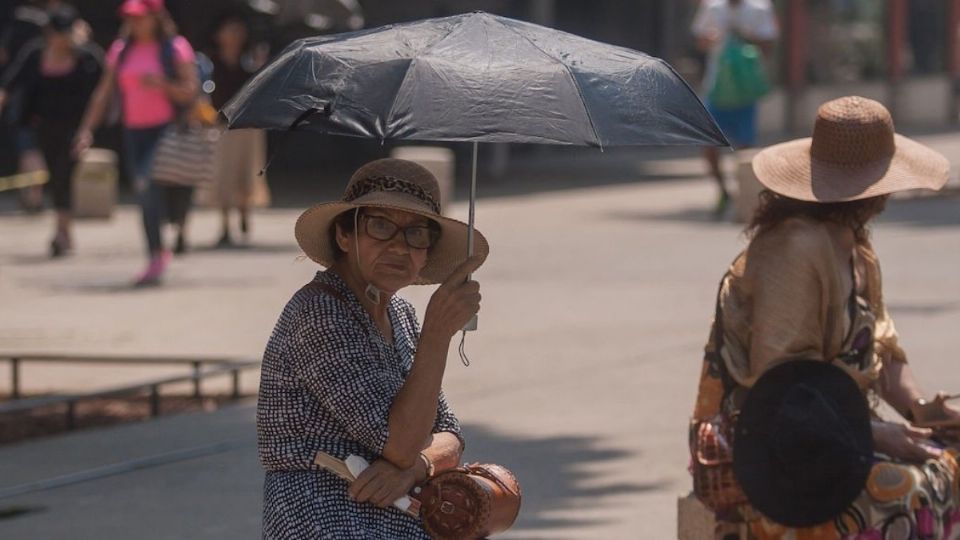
185, 155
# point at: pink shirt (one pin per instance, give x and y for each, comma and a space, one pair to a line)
143, 106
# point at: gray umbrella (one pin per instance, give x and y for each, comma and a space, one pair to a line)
316, 14
474, 77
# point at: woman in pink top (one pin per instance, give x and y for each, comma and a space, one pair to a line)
152, 68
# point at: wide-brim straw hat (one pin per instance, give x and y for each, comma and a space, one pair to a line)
395, 184
854, 154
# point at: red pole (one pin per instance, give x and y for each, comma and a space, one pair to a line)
897, 26
953, 25
797, 23
795, 31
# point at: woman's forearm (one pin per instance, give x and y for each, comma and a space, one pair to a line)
898, 387
414, 410
98, 104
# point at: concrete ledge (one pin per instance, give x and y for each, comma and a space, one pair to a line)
916, 102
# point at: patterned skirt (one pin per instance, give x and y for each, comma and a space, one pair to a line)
900, 502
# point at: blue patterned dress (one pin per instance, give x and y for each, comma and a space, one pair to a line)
328, 381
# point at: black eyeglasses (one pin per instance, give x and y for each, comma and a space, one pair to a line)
416, 236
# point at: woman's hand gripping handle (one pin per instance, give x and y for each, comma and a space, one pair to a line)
454, 303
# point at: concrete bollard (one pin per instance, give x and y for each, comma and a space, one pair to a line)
436, 159
697, 522
694, 520
748, 187
95, 184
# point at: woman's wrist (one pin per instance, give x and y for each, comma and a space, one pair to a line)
84, 133
909, 413
422, 469
430, 337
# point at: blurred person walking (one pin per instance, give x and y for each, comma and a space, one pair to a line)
241, 155
19, 147
152, 69
732, 33
55, 78
187, 149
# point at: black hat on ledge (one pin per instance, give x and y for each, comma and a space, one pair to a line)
803, 446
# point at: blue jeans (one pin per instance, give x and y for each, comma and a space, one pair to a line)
739, 125
139, 147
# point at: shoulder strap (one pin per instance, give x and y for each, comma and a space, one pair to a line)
167, 58
718, 318
487, 472
728, 382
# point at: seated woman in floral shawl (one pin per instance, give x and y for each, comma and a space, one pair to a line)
808, 287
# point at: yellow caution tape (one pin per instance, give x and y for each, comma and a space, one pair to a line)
23, 180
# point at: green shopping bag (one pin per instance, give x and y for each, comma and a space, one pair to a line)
741, 79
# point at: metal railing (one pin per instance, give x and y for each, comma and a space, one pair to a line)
221, 367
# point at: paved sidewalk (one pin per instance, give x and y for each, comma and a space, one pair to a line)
596, 306
197, 478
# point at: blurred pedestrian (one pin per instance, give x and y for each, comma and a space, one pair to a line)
178, 196
717, 25
56, 77
19, 146
153, 71
241, 154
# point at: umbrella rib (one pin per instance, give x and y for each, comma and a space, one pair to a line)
413, 59
264, 73
576, 85
695, 96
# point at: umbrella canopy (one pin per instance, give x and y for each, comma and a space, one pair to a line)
317, 14
474, 77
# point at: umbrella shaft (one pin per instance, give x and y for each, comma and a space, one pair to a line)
472, 325
473, 202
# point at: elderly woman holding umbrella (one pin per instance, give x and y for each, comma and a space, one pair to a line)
348, 370
469, 78
808, 287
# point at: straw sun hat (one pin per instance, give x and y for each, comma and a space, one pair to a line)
853, 154
395, 184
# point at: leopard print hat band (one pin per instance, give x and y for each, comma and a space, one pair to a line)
371, 184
